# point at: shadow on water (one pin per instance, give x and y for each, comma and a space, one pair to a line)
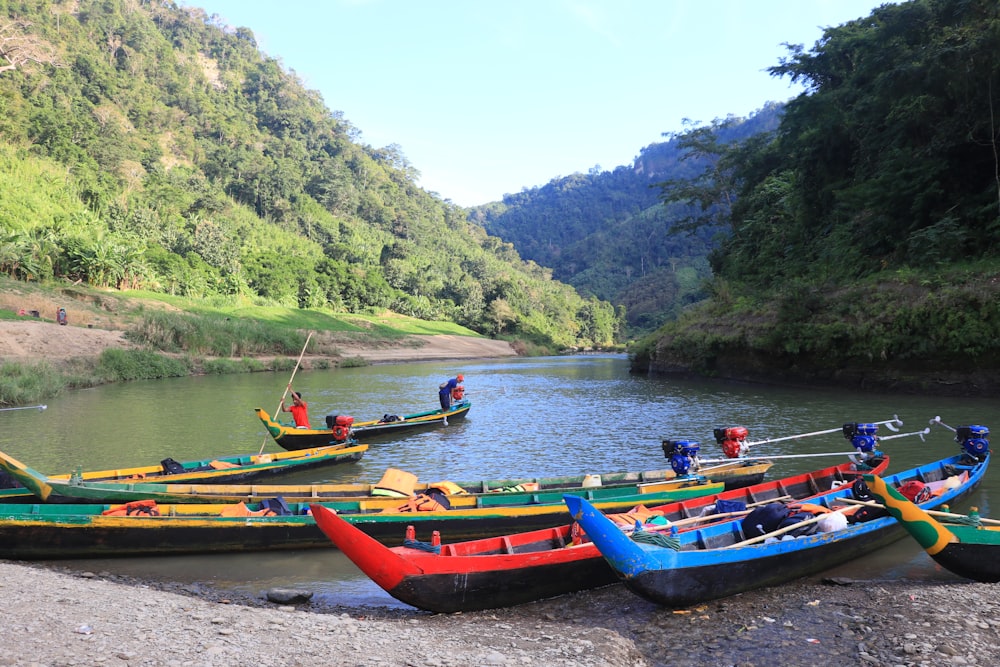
530, 417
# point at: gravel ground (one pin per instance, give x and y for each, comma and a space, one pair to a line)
56, 618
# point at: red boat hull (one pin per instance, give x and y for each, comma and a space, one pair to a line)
524, 567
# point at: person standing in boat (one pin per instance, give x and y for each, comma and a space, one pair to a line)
299, 410
445, 389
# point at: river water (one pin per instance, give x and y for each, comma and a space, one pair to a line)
529, 417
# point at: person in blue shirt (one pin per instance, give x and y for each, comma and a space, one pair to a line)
444, 391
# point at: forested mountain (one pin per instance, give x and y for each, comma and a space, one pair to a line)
863, 233
148, 146
608, 234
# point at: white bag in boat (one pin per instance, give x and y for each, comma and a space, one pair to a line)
832, 522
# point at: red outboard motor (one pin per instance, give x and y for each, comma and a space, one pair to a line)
682, 454
733, 440
340, 425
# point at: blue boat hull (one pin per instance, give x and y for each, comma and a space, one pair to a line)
704, 569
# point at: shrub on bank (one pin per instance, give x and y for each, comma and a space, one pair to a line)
115, 365
24, 383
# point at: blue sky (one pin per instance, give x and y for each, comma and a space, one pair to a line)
487, 97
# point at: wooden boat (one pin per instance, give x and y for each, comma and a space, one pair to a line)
48, 531
230, 469
964, 544
481, 494
720, 560
383, 428
522, 567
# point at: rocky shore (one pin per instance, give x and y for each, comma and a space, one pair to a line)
56, 617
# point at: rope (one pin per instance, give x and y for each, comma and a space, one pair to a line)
422, 546
964, 520
657, 539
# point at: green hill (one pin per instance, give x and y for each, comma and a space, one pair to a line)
863, 234
146, 147
609, 235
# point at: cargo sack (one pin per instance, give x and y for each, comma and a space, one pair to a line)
276, 505
866, 513
764, 519
171, 467
795, 518
723, 506
915, 491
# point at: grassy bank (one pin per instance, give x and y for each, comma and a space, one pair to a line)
174, 337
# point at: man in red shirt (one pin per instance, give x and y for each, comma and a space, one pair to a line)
299, 410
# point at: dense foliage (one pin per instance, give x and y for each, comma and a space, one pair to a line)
147, 145
607, 234
890, 159
864, 231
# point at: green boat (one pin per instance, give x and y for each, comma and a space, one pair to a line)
395, 487
341, 429
227, 469
967, 545
48, 531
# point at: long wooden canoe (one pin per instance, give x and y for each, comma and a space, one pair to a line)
523, 567
292, 438
740, 472
970, 549
721, 560
228, 469
47, 531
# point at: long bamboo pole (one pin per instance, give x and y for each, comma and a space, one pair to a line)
277, 411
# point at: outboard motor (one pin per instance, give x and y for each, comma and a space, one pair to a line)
975, 440
863, 436
682, 454
733, 440
340, 425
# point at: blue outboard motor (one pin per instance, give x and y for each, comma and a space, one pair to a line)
863, 437
975, 440
681, 454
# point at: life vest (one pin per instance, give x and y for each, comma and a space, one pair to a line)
457, 393
811, 508
527, 487
419, 503
639, 513
240, 509
395, 483
134, 508
447, 488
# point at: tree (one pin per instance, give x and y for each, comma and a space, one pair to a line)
19, 48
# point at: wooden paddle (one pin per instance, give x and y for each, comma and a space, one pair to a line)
287, 388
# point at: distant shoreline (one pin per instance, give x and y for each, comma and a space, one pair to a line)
37, 340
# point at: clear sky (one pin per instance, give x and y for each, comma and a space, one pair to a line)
487, 97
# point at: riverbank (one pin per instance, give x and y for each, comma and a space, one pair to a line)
56, 617
36, 339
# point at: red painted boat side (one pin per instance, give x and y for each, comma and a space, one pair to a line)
521, 567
